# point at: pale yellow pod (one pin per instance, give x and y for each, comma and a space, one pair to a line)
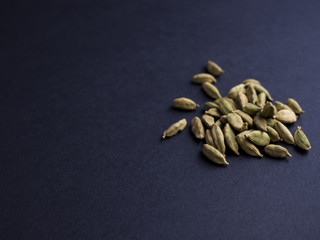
202, 78
184, 104
213, 154
286, 116
214, 68
197, 128
175, 128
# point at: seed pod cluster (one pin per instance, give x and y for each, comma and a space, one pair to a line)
245, 118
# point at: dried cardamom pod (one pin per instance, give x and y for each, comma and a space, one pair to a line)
233, 92
247, 146
242, 99
273, 134
260, 122
208, 138
175, 128
251, 109
284, 132
214, 69
232, 103
224, 106
271, 122
294, 105
184, 104
281, 106
214, 112
207, 120
213, 154
301, 139
209, 105
211, 90
235, 121
259, 138
268, 110
260, 89
197, 128
286, 116
203, 77
250, 80
276, 151
218, 138
252, 94
245, 117
224, 119
230, 138
262, 98
219, 123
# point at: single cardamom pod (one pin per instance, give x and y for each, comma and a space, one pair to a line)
262, 98
184, 104
245, 117
211, 90
218, 138
214, 69
301, 139
225, 107
286, 116
250, 80
214, 112
251, 109
284, 132
197, 128
207, 120
259, 138
268, 110
175, 128
235, 121
282, 106
242, 99
294, 105
230, 138
213, 154
208, 138
273, 134
260, 122
209, 105
276, 151
271, 122
247, 146
252, 94
260, 89
203, 77
233, 92
232, 102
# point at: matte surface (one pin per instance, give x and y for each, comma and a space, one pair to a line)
85, 94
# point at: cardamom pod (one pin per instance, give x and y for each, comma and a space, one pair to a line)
232, 102
224, 119
230, 138
209, 105
225, 107
262, 98
276, 151
294, 105
281, 106
207, 120
250, 80
271, 122
268, 110
242, 99
260, 89
211, 90
247, 146
233, 92
286, 116
208, 138
213, 154
219, 123
235, 121
245, 117
175, 128
218, 138
273, 134
184, 104
260, 122
214, 69
203, 77
284, 132
259, 138
214, 112
252, 94
197, 128
251, 109
301, 139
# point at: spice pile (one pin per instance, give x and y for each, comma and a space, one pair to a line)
246, 117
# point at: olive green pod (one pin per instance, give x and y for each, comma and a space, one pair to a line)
251, 109
276, 151
245, 117
184, 104
284, 132
203, 77
247, 146
230, 138
225, 107
294, 105
209, 105
214, 68
211, 90
273, 134
260, 122
268, 110
301, 139
218, 138
259, 138
213, 154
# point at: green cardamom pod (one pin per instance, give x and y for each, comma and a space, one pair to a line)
230, 138
259, 138
242, 99
184, 104
294, 105
225, 107
213, 154
207, 120
233, 92
262, 98
218, 138
273, 134
301, 139
271, 122
214, 112
250, 80
281, 106
286, 116
260, 89
197, 128
245, 117
211, 90
248, 146
252, 94
260, 122
208, 138
203, 77
235, 121
284, 132
268, 110
214, 68
219, 123
251, 109
209, 105
175, 128
276, 151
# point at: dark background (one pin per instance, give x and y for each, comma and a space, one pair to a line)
85, 94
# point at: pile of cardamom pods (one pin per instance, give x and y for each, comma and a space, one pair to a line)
246, 117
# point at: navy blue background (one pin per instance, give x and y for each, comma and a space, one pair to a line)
85, 94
